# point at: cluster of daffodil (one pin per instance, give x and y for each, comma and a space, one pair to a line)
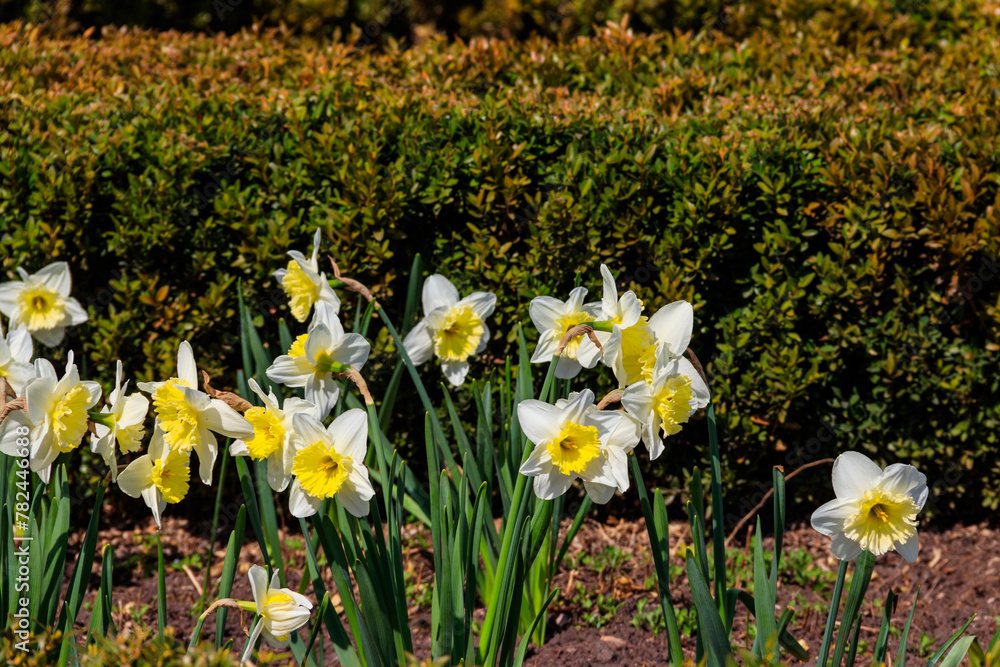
323, 467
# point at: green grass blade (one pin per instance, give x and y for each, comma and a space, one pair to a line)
831, 617
767, 629
232, 559
716, 640
863, 568
718, 536
84, 562
161, 589
574, 528
901, 651
882, 643
940, 652
253, 513
269, 518
957, 653
660, 558
522, 649
779, 528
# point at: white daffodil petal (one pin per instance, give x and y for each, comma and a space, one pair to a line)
539, 421
829, 518
910, 549
599, 493
905, 479
549, 486
672, 325
419, 343
844, 548
455, 371
350, 434
438, 292
853, 474
301, 504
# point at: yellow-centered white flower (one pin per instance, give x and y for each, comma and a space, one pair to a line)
634, 344
188, 417
315, 356
274, 435
41, 303
553, 318
330, 463
127, 414
16, 350
282, 611
875, 510
160, 477
305, 284
675, 392
573, 439
56, 414
453, 329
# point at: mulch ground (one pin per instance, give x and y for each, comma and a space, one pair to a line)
606, 613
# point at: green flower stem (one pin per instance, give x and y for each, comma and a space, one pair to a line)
102, 418
604, 326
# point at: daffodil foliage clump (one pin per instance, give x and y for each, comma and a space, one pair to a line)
831, 217
312, 444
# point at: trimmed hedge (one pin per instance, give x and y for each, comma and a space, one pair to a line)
824, 189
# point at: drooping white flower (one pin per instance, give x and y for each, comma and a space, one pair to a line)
330, 463
282, 611
315, 356
126, 414
453, 329
160, 477
16, 350
274, 435
676, 391
41, 303
553, 318
305, 284
56, 414
188, 416
573, 439
875, 510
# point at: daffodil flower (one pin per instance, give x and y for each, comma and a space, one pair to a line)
573, 439
624, 313
875, 510
274, 435
553, 318
120, 425
160, 477
453, 329
330, 462
315, 356
16, 351
188, 417
57, 414
41, 303
664, 404
304, 284
282, 611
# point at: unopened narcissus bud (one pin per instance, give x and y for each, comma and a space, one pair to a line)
453, 329
159, 477
305, 284
188, 416
875, 510
282, 611
573, 439
41, 303
316, 356
57, 414
330, 463
553, 319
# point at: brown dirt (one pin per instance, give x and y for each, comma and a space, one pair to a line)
958, 572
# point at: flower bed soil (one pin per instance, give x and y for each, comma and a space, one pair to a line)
957, 572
